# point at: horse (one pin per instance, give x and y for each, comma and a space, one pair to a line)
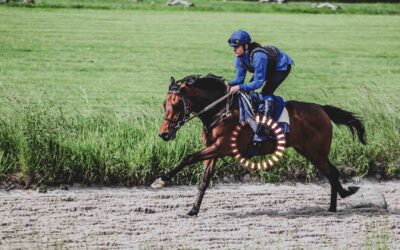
310, 131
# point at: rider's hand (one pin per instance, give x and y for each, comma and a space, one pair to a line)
234, 89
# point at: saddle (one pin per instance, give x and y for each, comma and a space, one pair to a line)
252, 103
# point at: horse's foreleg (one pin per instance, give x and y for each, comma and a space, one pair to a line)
204, 154
209, 170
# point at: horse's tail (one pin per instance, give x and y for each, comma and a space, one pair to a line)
350, 120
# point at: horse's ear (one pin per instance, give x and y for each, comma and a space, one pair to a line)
172, 84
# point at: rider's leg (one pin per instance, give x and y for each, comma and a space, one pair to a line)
274, 79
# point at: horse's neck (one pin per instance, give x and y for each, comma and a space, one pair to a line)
201, 101
209, 117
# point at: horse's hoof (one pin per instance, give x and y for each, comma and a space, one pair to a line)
333, 210
157, 184
353, 190
193, 213
350, 191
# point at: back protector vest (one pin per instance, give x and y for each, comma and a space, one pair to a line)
271, 51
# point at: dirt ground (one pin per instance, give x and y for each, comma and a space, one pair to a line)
233, 216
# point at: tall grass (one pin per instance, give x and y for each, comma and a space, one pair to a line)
44, 146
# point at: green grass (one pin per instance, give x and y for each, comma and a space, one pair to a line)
220, 6
81, 90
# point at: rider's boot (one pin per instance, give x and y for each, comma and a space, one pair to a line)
261, 131
268, 109
269, 106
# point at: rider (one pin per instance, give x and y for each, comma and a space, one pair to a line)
269, 64
270, 67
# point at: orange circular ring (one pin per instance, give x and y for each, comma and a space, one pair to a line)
273, 158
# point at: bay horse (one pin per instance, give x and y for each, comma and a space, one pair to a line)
310, 131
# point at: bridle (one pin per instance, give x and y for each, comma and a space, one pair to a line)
186, 117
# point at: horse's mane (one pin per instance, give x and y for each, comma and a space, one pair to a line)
207, 82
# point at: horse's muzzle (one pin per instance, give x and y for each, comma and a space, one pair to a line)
166, 136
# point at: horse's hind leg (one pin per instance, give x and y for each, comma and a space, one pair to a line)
312, 137
322, 163
333, 177
342, 191
332, 174
336, 187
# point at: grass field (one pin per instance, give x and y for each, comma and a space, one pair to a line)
81, 90
219, 6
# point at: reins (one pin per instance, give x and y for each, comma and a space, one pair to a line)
210, 106
187, 113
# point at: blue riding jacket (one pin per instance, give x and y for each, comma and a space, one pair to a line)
260, 63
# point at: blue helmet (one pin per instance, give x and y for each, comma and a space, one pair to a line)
239, 37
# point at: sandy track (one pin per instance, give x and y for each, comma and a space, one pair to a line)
232, 216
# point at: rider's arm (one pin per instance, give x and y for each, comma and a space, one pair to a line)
260, 62
240, 73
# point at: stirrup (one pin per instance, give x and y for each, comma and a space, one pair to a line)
262, 130
253, 149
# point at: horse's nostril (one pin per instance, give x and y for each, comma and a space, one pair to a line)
164, 136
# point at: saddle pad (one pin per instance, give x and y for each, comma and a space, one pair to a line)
284, 116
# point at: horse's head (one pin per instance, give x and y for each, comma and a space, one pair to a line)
190, 94
177, 109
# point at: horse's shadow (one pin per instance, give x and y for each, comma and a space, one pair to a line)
306, 212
